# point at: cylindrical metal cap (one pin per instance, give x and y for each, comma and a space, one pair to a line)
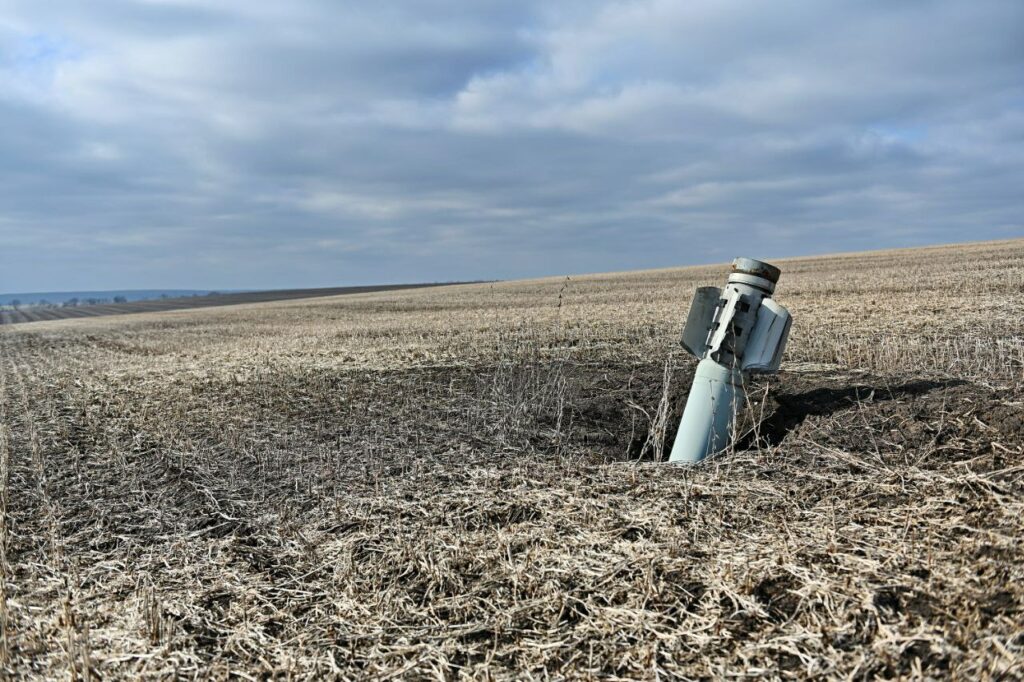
749, 266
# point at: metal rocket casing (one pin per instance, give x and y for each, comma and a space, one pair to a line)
740, 325
710, 410
734, 331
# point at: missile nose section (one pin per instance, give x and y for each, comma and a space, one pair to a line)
754, 273
758, 268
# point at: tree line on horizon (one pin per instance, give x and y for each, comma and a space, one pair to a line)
18, 304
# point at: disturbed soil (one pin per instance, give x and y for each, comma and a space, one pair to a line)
176, 508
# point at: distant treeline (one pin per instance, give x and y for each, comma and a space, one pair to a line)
16, 304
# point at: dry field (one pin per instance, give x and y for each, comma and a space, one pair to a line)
463, 483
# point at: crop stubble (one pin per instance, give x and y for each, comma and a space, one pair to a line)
459, 482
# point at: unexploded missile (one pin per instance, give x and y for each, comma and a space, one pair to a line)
734, 331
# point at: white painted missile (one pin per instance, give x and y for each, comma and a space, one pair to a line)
708, 417
734, 331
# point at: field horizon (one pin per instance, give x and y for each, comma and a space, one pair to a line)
186, 300
198, 299
468, 482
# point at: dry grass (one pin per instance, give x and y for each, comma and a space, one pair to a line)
458, 483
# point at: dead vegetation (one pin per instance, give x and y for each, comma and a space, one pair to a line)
463, 483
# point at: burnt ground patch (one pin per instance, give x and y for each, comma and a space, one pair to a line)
602, 412
631, 412
617, 413
625, 413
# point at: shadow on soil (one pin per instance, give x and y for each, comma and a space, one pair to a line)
791, 409
611, 412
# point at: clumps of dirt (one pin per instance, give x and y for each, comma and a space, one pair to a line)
893, 602
889, 418
779, 596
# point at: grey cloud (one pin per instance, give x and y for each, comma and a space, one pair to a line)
311, 143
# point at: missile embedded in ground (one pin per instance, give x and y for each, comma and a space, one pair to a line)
735, 331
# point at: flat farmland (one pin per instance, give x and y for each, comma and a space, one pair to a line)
465, 482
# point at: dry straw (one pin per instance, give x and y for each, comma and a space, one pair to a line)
458, 483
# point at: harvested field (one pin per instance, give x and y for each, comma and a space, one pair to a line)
463, 483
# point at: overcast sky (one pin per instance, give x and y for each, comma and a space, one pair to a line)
247, 144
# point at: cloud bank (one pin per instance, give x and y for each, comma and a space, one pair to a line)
246, 145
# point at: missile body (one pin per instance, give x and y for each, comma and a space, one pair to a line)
708, 417
743, 331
